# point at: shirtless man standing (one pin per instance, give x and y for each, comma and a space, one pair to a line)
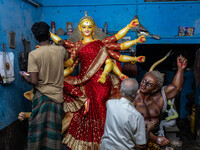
150, 100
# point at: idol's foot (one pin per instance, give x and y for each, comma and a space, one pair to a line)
123, 76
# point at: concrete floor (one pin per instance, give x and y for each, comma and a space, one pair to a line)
191, 145
14, 136
189, 142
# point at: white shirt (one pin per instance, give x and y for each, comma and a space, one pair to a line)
124, 127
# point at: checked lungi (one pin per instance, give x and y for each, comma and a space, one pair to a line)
45, 124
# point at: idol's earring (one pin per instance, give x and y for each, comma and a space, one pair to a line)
93, 36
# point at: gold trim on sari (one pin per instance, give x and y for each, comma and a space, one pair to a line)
75, 105
66, 121
78, 144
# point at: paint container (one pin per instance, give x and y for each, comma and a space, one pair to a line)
176, 144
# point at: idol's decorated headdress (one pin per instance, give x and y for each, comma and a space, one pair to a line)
76, 34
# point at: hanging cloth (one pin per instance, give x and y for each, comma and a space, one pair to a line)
6, 66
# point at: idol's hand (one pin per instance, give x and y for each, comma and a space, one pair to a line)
181, 62
68, 71
21, 116
141, 39
162, 141
133, 23
24, 115
29, 95
55, 38
102, 78
68, 63
141, 59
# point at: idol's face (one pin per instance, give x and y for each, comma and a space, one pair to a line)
87, 28
148, 84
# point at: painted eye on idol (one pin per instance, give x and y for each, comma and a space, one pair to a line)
149, 85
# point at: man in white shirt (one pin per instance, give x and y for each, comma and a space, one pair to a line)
125, 126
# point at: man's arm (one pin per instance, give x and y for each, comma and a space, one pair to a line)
172, 90
62, 43
66, 56
140, 133
32, 79
149, 135
150, 125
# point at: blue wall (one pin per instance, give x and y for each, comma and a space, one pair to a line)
165, 18
17, 16
161, 18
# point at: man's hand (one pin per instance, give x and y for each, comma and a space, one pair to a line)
150, 125
61, 43
181, 62
32, 78
24, 74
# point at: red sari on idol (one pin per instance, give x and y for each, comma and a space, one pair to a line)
85, 131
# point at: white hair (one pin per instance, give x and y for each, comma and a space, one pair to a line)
129, 88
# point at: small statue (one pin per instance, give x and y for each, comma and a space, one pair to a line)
170, 120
